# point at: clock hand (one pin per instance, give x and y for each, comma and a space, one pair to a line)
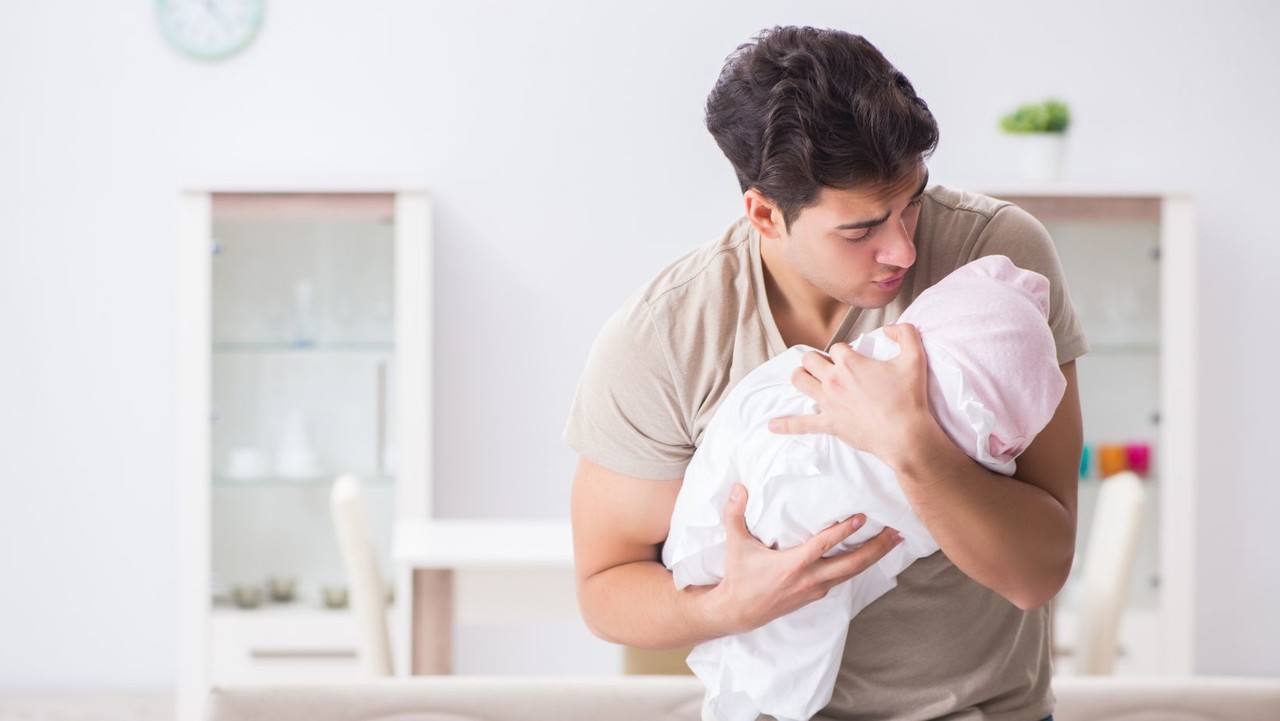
211, 7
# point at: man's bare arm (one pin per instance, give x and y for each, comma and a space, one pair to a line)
627, 596
1014, 535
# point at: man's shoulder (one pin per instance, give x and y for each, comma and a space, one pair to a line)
662, 362
713, 269
705, 294
959, 226
954, 205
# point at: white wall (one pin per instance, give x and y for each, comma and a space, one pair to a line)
564, 149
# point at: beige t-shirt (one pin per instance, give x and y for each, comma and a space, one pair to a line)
939, 645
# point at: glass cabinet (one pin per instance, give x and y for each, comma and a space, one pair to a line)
305, 354
1129, 262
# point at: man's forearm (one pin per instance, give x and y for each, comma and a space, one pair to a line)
637, 604
1011, 536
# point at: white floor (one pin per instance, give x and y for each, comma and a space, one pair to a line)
79, 706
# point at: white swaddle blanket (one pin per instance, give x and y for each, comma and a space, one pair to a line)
994, 383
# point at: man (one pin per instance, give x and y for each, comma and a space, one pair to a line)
840, 234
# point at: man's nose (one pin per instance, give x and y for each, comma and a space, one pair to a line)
898, 248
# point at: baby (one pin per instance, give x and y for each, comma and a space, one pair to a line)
994, 383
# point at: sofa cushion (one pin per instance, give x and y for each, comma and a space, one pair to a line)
1198, 698
467, 698
679, 698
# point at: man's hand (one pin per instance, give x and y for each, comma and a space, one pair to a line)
1014, 535
627, 595
871, 405
761, 584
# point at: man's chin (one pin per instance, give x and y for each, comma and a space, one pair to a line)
873, 301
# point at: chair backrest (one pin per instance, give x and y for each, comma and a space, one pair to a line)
359, 559
1108, 567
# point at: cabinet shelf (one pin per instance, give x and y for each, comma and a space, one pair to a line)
1151, 348
323, 481
224, 608
1151, 480
234, 348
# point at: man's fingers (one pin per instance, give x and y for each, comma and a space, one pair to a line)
829, 538
818, 364
735, 515
907, 337
798, 424
842, 567
804, 381
841, 353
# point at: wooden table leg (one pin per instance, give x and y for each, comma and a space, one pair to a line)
432, 626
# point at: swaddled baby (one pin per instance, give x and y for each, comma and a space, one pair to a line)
994, 383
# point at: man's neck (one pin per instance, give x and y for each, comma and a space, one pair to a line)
803, 313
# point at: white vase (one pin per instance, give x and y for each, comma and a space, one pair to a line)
295, 458
1041, 156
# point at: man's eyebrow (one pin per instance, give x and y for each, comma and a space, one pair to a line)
923, 184
863, 223
877, 221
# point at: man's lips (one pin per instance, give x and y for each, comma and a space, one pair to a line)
890, 283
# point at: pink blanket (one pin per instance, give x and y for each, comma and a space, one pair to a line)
996, 332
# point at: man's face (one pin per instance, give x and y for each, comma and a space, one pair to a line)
856, 245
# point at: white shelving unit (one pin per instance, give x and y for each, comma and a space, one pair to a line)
1130, 264
304, 352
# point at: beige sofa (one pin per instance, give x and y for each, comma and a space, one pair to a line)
678, 698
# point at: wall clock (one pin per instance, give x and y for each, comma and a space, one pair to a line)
209, 29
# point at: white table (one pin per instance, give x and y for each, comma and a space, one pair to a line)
435, 549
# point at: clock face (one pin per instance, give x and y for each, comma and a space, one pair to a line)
209, 29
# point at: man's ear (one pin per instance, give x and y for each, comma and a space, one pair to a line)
763, 214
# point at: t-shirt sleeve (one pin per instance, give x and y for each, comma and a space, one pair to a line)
626, 413
1013, 232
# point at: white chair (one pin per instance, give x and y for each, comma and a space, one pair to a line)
1107, 570
359, 559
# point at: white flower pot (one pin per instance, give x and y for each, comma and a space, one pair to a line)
1041, 156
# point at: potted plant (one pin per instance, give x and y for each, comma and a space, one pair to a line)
1041, 130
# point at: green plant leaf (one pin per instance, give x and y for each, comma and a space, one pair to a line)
1048, 116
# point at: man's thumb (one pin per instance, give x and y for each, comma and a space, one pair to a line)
901, 333
735, 512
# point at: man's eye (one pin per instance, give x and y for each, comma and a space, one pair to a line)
852, 239
916, 203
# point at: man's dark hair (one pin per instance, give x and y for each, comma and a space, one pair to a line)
799, 109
